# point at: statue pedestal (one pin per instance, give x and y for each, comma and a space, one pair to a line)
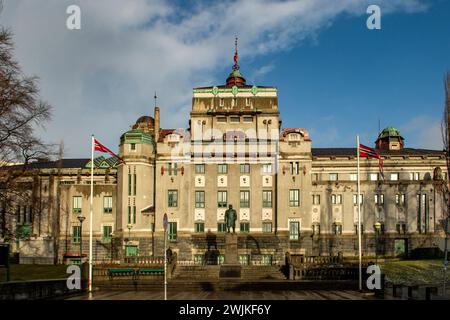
231, 267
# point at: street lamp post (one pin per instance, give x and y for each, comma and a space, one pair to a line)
377, 232
81, 219
129, 226
111, 245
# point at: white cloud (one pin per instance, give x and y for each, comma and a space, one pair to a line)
101, 78
425, 130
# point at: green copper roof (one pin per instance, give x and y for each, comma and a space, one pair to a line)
236, 73
390, 132
136, 136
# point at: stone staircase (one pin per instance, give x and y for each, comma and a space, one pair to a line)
196, 273
211, 273
262, 273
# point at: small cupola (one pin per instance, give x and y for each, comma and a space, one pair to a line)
235, 78
390, 139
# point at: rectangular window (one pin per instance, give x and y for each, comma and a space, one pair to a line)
199, 199
234, 119
361, 198
107, 204
267, 168
414, 176
244, 259
266, 259
221, 119
315, 177
172, 227
267, 227
199, 227
356, 228
172, 198
294, 230
294, 168
316, 229
107, 231
221, 199
77, 204
134, 184
267, 199
333, 177
337, 229
221, 227
134, 214
222, 168
336, 198
244, 197
129, 184
129, 214
76, 234
244, 168
379, 199
248, 102
374, 177
401, 228
316, 199
199, 168
394, 176
221, 102
247, 119
400, 199
353, 177
245, 227
294, 198
133, 146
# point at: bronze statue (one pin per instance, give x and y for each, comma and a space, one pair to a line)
230, 218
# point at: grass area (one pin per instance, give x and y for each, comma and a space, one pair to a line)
21, 272
414, 271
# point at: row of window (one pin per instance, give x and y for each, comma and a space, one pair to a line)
107, 204
106, 234
372, 177
244, 198
378, 199
244, 168
244, 227
234, 119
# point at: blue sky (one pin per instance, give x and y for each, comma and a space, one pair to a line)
335, 77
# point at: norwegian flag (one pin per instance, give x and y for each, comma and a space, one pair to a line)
101, 148
365, 151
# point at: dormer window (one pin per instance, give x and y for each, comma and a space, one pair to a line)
294, 137
173, 138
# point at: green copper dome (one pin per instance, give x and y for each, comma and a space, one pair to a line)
389, 132
236, 73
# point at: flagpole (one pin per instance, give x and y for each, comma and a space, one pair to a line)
91, 215
359, 216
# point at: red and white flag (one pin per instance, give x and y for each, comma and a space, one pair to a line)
365, 151
101, 148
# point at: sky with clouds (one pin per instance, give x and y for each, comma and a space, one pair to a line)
334, 76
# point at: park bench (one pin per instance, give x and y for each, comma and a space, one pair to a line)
112, 272
150, 271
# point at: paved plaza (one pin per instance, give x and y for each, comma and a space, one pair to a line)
228, 295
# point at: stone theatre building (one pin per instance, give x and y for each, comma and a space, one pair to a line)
289, 196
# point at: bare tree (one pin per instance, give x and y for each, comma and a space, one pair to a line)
21, 112
443, 187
